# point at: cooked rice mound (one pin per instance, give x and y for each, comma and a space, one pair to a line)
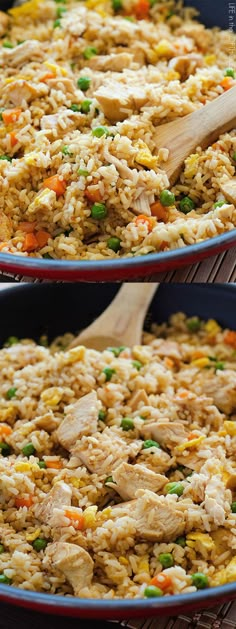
117, 468
83, 89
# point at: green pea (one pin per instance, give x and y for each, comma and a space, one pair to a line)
89, 52
83, 173
7, 44
117, 5
167, 198
102, 415
186, 205
193, 324
109, 479
85, 106
60, 1
98, 132
39, 544
28, 449
127, 424
57, 24
4, 579
219, 365
108, 373
1, 111
151, 591
229, 72
116, 350
98, 211
47, 256
11, 393
114, 243
174, 488
84, 83
75, 107
234, 156
2, 549
6, 158
65, 150
60, 11
181, 541
137, 365
12, 340
42, 465
5, 449
219, 204
200, 580
233, 507
166, 560
149, 443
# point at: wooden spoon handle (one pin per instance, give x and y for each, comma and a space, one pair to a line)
124, 317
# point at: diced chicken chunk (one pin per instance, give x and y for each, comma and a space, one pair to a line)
73, 561
215, 500
62, 83
117, 100
81, 419
186, 64
138, 399
60, 494
20, 91
62, 122
5, 227
168, 434
30, 50
223, 390
103, 452
129, 478
200, 35
229, 190
4, 21
158, 519
168, 349
115, 63
46, 422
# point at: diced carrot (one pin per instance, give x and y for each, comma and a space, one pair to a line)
198, 354
93, 195
47, 76
159, 211
77, 518
192, 435
141, 9
5, 430
162, 581
27, 227
230, 338
24, 502
163, 245
142, 219
42, 238
169, 363
55, 465
2, 245
227, 82
30, 243
11, 115
183, 394
56, 184
13, 138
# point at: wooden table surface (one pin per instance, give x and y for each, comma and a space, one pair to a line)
216, 269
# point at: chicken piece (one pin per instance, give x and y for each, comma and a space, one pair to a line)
30, 50
223, 390
5, 227
75, 563
186, 64
158, 519
138, 399
169, 349
59, 495
63, 83
124, 171
128, 478
112, 62
103, 452
168, 434
4, 21
142, 205
215, 499
62, 122
46, 422
20, 91
119, 101
81, 419
229, 190
200, 35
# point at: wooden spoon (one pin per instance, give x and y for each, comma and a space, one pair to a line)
182, 136
122, 322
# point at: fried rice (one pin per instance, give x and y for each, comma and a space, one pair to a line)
83, 89
117, 468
